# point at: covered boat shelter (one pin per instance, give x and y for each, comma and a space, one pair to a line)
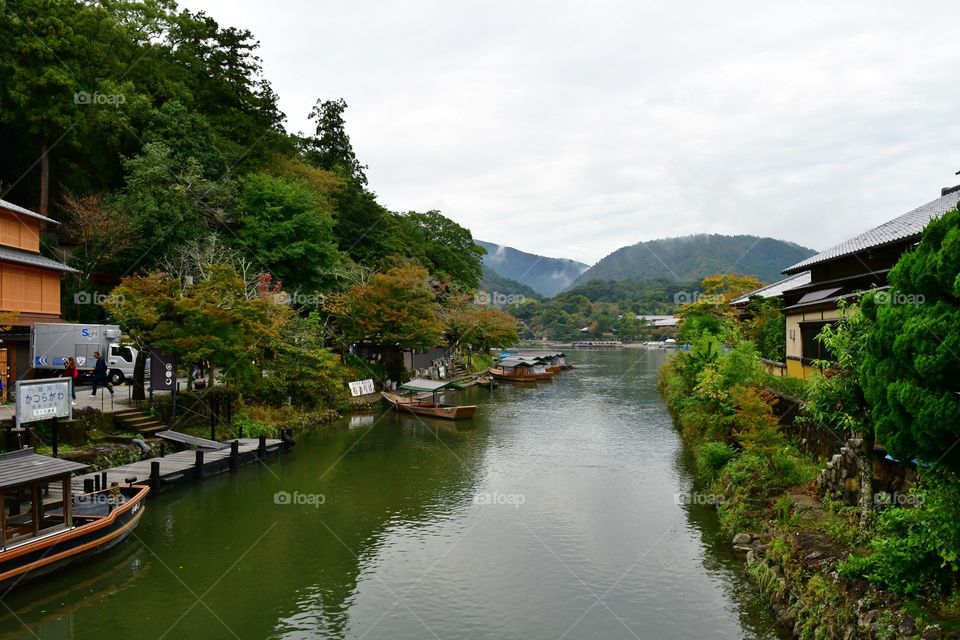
24, 476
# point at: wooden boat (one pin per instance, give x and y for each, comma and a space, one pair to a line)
486, 381
509, 376
553, 361
425, 406
39, 534
515, 369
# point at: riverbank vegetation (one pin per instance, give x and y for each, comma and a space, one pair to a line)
867, 562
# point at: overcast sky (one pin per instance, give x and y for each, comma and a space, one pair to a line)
571, 129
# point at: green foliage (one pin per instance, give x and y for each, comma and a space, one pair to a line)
796, 387
916, 549
398, 307
602, 306
289, 230
767, 328
330, 148
168, 202
302, 369
909, 366
444, 247
713, 456
836, 398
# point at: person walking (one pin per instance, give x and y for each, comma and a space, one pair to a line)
100, 374
70, 371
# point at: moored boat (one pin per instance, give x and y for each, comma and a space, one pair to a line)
486, 381
516, 369
429, 407
41, 533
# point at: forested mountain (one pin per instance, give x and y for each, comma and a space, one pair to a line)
697, 256
547, 276
493, 282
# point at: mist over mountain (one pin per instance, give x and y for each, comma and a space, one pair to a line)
546, 276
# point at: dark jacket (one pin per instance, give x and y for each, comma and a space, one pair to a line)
100, 371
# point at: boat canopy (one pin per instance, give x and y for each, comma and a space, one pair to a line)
24, 467
517, 362
421, 384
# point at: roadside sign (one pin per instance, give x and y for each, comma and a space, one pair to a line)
43, 399
361, 387
163, 370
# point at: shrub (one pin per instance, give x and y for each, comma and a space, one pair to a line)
916, 549
713, 456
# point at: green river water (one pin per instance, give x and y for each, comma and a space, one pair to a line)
553, 514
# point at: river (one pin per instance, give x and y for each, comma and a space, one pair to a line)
556, 513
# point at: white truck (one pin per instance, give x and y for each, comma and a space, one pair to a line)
51, 343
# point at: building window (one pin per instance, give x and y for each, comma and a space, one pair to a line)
811, 348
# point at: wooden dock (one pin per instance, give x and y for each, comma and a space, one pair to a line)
183, 466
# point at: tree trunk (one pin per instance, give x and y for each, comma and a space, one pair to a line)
865, 467
44, 177
139, 369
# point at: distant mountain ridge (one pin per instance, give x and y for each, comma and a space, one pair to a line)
546, 276
697, 256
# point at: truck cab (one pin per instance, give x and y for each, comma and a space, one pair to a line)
120, 360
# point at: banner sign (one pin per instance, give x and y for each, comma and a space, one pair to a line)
361, 387
163, 370
43, 399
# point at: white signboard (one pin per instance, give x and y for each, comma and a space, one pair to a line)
43, 399
361, 387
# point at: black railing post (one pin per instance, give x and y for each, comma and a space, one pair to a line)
198, 464
234, 453
155, 475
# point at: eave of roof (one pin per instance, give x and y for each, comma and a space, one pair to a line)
777, 288
904, 227
15, 208
19, 256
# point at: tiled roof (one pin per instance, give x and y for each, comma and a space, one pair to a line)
18, 209
32, 259
906, 226
777, 288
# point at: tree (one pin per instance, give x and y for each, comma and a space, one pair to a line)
288, 229
480, 326
444, 247
397, 307
709, 310
766, 326
330, 148
910, 367
212, 321
169, 202
837, 401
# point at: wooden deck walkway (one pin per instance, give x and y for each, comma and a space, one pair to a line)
183, 466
